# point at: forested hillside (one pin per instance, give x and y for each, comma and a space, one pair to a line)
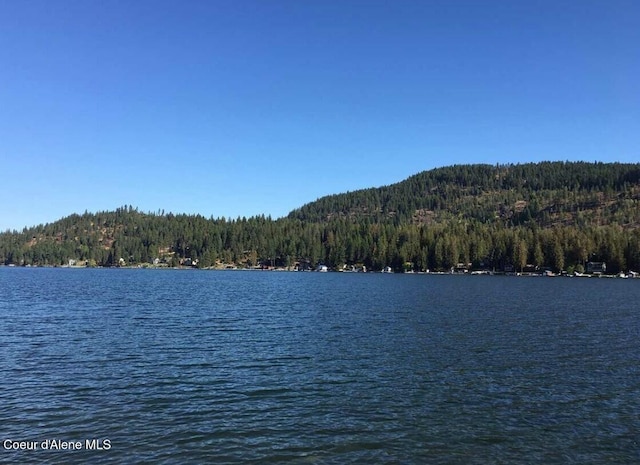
554, 215
545, 193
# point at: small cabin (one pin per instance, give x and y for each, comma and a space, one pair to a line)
303, 265
596, 267
461, 268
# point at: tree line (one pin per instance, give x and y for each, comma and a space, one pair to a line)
548, 215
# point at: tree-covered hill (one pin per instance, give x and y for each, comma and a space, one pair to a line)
554, 215
546, 193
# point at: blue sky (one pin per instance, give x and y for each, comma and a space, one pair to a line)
238, 108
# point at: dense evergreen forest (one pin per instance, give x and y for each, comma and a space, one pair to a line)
550, 215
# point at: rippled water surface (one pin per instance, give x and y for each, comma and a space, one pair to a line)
199, 367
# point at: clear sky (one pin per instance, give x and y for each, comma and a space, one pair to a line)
237, 108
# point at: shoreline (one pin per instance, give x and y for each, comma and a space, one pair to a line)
630, 275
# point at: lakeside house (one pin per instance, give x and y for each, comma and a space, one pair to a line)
303, 265
596, 268
461, 268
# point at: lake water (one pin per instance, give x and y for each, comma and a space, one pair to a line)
171, 366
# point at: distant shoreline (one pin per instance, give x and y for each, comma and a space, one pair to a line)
630, 275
